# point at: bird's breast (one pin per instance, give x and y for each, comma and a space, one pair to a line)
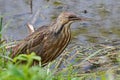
57, 45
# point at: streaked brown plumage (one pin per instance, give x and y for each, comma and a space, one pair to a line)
48, 42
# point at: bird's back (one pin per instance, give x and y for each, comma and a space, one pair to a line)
30, 41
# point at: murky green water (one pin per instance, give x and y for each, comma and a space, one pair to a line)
104, 26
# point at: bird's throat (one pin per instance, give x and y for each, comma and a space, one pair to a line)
58, 28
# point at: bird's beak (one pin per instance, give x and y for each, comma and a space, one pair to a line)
84, 19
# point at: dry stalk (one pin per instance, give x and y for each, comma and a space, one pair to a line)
30, 28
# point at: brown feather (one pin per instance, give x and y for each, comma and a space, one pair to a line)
48, 42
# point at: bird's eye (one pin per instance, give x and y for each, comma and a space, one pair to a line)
70, 17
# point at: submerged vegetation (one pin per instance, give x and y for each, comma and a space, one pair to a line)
103, 65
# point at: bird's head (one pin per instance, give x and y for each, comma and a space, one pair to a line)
64, 20
68, 17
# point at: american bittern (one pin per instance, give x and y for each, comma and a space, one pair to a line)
48, 42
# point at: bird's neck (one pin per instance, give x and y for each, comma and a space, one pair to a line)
59, 27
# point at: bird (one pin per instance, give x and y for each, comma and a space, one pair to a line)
48, 42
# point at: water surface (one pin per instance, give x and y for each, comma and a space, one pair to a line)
105, 14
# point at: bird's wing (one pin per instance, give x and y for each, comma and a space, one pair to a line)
30, 41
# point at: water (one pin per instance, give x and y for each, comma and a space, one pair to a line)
104, 26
